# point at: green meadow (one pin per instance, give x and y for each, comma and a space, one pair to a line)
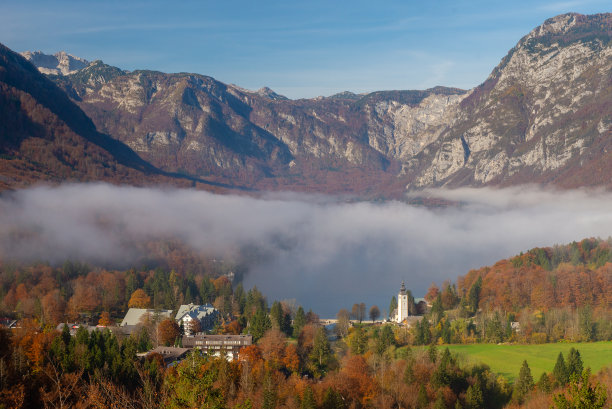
507, 359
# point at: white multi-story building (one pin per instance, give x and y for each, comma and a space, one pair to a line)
402, 304
205, 314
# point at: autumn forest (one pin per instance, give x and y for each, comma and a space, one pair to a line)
544, 295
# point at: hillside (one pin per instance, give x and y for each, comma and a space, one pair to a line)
46, 137
573, 275
542, 116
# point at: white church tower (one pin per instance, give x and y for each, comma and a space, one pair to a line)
402, 304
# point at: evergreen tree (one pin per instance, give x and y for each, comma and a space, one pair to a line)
409, 372
308, 400
333, 400
280, 319
432, 353
437, 309
582, 395
410, 301
544, 383
494, 329
560, 371
298, 322
474, 295
392, 306
585, 321
523, 384
321, 353
473, 397
269, 393
259, 324
440, 403
359, 341
422, 398
240, 298
255, 301
207, 291
385, 339
422, 332
574, 363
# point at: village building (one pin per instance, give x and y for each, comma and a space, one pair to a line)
403, 310
8, 323
218, 345
206, 315
140, 316
170, 354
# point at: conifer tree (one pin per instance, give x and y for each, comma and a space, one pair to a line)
409, 372
321, 353
474, 295
359, 341
308, 400
560, 371
523, 384
259, 324
392, 306
422, 398
440, 403
473, 397
544, 383
269, 396
574, 363
299, 321
333, 400
582, 394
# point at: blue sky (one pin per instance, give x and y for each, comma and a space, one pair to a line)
299, 49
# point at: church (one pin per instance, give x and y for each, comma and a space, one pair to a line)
408, 306
402, 305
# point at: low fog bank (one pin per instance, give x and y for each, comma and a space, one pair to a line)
325, 253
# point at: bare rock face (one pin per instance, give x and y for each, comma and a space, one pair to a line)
59, 63
542, 116
193, 124
45, 137
541, 113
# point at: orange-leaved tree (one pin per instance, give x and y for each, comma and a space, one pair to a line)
105, 319
139, 299
168, 331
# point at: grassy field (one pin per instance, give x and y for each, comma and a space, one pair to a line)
507, 359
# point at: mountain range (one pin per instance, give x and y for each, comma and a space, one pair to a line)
543, 116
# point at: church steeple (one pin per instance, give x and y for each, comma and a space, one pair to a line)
403, 289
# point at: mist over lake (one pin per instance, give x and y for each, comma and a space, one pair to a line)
325, 252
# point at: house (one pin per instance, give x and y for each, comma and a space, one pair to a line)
139, 316
229, 345
73, 327
205, 314
8, 323
170, 354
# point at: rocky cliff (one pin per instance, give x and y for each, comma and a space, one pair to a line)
44, 136
542, 116
59, 63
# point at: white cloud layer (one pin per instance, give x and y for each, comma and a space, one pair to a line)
326, 253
